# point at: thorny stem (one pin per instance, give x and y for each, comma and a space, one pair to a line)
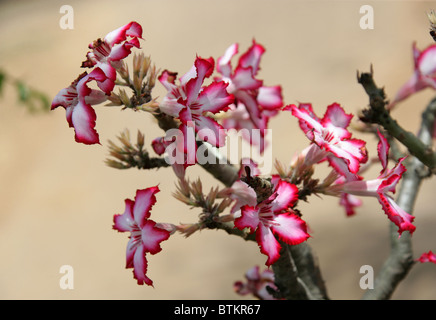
377, 113
400, 259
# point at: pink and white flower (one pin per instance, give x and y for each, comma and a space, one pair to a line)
106, 54
424, 75
330, 134
427, 257
254, 103
190, 101
274, 216
256, 284
77, 100
381, 187
145, 234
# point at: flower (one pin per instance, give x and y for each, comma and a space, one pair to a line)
78, 97
254, 103
330, 134
427, 257
145, 234
256, 284
107, 54
381, 187
274, 216
77, 100
424, 75
191, 102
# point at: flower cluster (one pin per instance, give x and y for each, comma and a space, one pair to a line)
332, 142
263, 209
254, 103
192, 104
104, 59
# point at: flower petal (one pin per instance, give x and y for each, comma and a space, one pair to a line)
249, 218
270, 97
210, 131
287, 195
243, 79
427, 61
144, 201
83, 120
349, 202
243, 194
383, 151
397, 215
223, 63
306, 118
132, 29
352, 151
203, 69
158, 145
427, 257
152, 236
335, 116
140, 267
125, 222
214, 97
251, 58
290, 228
268, 244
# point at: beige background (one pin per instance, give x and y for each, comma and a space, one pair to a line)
58, 198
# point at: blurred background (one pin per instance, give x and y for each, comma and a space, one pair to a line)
58, 197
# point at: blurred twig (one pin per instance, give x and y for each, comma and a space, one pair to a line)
33, 99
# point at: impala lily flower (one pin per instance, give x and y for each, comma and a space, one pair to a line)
190, 102
427, 257
77, 100
274, 216
107, 53
331, 135
381, 188
254, 103
256, 284
424, 75
145, 234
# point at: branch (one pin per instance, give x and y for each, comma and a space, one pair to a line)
297, 274
400, 259
290, 285
377, 113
